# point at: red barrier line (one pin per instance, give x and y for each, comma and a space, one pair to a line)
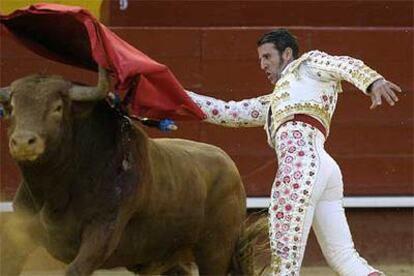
316, 28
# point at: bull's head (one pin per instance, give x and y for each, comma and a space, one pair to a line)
39, 106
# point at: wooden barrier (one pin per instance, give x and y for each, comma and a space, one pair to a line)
259, 13
374, 148
211, 48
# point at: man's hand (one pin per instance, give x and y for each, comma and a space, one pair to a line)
383, 89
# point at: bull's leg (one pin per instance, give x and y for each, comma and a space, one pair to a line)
183, 269
99, 240
15, 244
98, 243
223, 222
214, 258
181, 263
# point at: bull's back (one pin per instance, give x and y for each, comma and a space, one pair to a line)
187, 155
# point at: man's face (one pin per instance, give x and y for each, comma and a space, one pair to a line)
271, 61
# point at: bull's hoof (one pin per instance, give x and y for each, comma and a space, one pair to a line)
72, 271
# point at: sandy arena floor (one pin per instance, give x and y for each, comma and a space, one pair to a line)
390, 270
40, 259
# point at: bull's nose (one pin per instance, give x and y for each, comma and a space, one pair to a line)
26, 145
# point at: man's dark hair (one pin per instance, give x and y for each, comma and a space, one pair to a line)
282, 39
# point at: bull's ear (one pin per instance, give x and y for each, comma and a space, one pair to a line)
5, 95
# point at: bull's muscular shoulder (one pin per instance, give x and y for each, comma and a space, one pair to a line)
192, 150
194, 160
188, 145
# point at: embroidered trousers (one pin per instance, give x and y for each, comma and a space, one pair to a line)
308, 191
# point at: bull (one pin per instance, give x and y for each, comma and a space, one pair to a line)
97, 192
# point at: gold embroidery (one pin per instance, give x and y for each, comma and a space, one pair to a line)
364, 76
276, 99
281, 85
349, 69
265, 99
367, 70
317, 110
275, 264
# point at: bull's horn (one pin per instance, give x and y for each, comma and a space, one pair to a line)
4, 94
88, 93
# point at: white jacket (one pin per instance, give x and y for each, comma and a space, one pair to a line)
308, 85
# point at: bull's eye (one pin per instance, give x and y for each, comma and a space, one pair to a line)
58, 108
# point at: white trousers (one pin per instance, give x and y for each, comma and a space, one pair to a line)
308, 191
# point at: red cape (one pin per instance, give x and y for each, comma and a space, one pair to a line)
73, 36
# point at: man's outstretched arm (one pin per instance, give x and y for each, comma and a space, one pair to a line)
244, 113
357, 73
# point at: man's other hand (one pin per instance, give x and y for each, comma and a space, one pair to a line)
383, 89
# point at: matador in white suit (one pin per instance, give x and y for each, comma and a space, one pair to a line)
308, 188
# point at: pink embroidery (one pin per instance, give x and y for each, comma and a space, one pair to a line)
301, 143
287, 170
298, 165
293, 194
255, 114
289, 159
251, 112
297, 134
297, 175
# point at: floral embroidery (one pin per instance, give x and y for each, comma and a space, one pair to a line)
255, 114
289, 159
245, 113
291, 193
297, 134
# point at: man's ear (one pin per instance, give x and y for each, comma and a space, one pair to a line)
287, 54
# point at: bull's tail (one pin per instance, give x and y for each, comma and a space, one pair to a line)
253, 242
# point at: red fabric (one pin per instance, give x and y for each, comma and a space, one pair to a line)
73, 36
310, 121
